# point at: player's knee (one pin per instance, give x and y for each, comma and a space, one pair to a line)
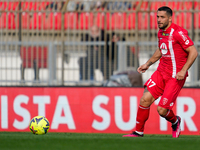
145, 102
162, 111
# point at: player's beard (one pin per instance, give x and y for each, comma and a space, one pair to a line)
164, 25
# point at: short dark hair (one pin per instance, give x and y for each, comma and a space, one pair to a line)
167, 9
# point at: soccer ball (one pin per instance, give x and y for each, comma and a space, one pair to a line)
39, 125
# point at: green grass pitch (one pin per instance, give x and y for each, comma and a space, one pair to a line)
81, 141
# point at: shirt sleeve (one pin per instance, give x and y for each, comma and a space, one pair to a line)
183, 39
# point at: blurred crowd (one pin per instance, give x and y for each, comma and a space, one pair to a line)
93, 5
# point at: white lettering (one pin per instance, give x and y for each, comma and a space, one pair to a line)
187, 42
186, 116
24, 113
104, 114
125, 126
4, 112
63, 104
183, 36
151, 83
41, 101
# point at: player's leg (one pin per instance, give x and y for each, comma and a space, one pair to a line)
151, 93
171, 117
142, 114
167, 102
143, 111
167, 114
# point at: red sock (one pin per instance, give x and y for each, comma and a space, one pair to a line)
142, 116
170, 116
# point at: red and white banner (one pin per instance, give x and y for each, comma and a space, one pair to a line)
92, 110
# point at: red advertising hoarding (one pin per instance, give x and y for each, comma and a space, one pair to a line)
92, 110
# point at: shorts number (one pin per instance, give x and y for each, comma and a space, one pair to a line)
151, 83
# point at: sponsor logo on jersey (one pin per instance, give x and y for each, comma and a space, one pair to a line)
187, 42
165, 34
163, 48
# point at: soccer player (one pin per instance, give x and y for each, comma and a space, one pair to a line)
176, 53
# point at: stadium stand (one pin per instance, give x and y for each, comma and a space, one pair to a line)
86, 20
9, 6
71, 20
54, 21
37, 21
100, 20
118, 20
30, 5
31, 55
41, 21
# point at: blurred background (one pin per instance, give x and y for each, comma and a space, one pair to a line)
86, 42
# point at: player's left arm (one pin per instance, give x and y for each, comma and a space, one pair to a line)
192, 55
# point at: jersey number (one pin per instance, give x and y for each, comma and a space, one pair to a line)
151, 83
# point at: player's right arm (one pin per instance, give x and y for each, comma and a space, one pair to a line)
156, 56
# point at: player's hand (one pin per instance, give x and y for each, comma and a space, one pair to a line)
180, 75
142, 68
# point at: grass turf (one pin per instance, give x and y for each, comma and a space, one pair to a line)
76, 141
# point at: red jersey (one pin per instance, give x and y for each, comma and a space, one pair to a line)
172, 43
